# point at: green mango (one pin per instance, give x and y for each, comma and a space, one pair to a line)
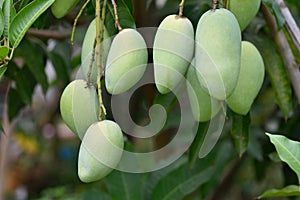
87, 48
61, 8
79, 106
173, 50
244, 10
250, 79
126, 61
218, 52
100, 151
204, 107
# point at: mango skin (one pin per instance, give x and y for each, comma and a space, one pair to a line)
173, 50
244, 10
218, 52
61, 8
79, 106
100, 151
204, 107
250, 80
126, 61
87, 48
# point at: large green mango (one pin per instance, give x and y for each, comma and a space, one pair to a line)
218, 52
244, 10
79, 106
60, 8
250, 79
126, 62
173, 50
87, 48
204, 107
100, 151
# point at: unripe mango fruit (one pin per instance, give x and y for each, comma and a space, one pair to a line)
87, 49
79, 106
60, 8
244, 10
100, 151
250, 79
126, 61
204, 107
173, 50
218, 52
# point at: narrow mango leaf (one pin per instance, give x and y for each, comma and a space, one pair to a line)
180, 183
197, 143
288, 191
124, 186
8, 14
275, 10
2, 71
4, 50
276, 71
240, 131
288, 151
1, 22
25, 18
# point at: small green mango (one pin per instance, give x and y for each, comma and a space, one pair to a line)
100, 151
218, 52
250, 79
204, 107
87, 48
126, 62
244, 10
61, 8
173, 50
79, 106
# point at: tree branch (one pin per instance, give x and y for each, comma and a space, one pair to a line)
290, 24
285, 51
48, 34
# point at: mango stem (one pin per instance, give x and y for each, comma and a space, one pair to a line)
215, 4
181, 5
117, 23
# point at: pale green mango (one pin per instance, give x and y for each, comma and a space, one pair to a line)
100, 151
204, 107
173, 50
218, 52
87, 48
250, 80
61, 8
244, 10
126, 62
79, 106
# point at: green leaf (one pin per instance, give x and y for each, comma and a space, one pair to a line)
240, 131
181, 182
288, 151
4, 50
288, 191
124, 186
25, 18
59, 66
15, 103
275, 10
8, 12
1, 22
2, 71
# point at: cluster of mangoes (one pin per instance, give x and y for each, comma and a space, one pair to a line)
216, 64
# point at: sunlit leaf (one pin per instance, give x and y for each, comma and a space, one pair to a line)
25, 18
288, 191
4, 50
1, 22
288, 151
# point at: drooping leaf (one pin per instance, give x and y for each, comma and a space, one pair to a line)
288, 151
124, 186
2, 71
9, 13
15, 103
276, 71
1, 22
4, 50
240, 131
25, 18
35, 62
288, 191
275, 10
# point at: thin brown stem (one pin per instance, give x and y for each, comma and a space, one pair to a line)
181, 5
215, 4
91, 63
117, 23
285, 51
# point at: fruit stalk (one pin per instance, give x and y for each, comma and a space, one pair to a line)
181, 5
99, 38
215, 4
117, 23
91, 63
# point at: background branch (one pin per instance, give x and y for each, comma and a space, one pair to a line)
48, 34
285, 51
